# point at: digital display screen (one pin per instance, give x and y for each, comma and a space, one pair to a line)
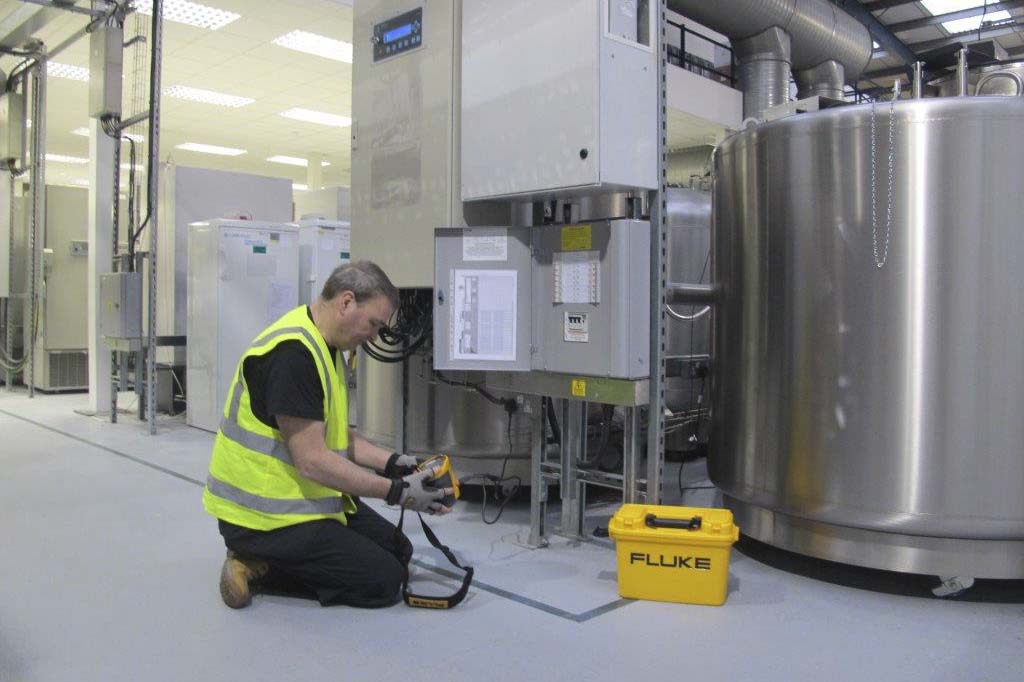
398, 33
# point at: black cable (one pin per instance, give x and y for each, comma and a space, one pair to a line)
412, 328
498, 481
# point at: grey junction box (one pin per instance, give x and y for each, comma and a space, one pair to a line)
591, 299
121, 309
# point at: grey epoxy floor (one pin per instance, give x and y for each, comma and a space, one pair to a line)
108, 571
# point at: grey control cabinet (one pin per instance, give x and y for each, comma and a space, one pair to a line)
592, 292
482, 298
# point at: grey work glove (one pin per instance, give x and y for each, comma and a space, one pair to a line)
416, 493
400, 465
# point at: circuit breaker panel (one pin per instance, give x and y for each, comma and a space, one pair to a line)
592, 292
570, 299
482, 295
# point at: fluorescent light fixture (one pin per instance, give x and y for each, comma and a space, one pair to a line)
321, 46
323, 118
191, 13
299, 186
75, 73
61, 158
295, 161
81, 182
937, 7
84, 132
207, 96
138, 167
210, 149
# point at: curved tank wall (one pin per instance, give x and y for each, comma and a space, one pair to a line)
868, 379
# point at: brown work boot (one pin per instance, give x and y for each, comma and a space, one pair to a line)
236, 576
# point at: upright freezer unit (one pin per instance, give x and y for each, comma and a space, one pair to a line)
242, 275
323, 246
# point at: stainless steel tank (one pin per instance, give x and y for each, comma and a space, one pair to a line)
439, 418
1006, 80
868, 378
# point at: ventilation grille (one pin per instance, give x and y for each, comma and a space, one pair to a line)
68, 370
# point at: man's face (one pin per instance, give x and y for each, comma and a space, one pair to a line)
357, 323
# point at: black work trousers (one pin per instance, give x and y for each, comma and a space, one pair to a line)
361, 564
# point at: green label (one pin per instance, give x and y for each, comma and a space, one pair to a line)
259, 249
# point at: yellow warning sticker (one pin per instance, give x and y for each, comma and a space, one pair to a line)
579, 388
577, 238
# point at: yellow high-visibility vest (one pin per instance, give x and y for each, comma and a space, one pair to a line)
252, 481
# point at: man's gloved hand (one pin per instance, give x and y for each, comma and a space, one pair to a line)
400, 465
416, 493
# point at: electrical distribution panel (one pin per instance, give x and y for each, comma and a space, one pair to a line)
121, 310
571, 299
12, 126
591, 304
6, 233
323, 246
558, 99
242, 276
482, 298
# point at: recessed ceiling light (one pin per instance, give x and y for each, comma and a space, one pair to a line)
84, 132
937, 7
191, 13
320, 117
75, 73
61, 158
128, 166
294, 161
321, 46
299, 186
210, 149
81, 182
207, 96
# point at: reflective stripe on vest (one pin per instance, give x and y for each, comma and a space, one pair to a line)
270, 505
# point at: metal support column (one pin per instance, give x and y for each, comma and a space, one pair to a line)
9, 326
573, 435
156, 35
631, 456
101, 199
659, 278
538, 487
38, 214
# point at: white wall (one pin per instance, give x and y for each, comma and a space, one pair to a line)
333, 203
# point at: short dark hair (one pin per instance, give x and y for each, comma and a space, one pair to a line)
364, 279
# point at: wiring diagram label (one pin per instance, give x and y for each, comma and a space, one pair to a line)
483, 315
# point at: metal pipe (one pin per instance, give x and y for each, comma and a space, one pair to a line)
156, 33
962, 74
824, 80
38, 213
918, 79
765, 65
820, 31
688, 318
678, 293
129, 122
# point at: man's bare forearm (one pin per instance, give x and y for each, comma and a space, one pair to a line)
366, 453
312, 458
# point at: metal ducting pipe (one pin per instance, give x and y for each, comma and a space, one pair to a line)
824, 80
764, 66
820, 32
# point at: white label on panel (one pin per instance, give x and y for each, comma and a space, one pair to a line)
577, 327
485, 243
577, 276
283, 298
345, 242
483, 315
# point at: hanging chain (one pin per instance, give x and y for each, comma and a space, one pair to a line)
881, 261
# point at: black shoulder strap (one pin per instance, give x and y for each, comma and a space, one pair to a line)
426, 602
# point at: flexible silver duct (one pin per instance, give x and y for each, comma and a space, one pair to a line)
820, 32
824, 80
764, 65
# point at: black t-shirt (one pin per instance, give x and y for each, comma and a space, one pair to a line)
286, 381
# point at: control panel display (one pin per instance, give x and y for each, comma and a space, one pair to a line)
398, 35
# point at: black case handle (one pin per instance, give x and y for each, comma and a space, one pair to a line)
653, 521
